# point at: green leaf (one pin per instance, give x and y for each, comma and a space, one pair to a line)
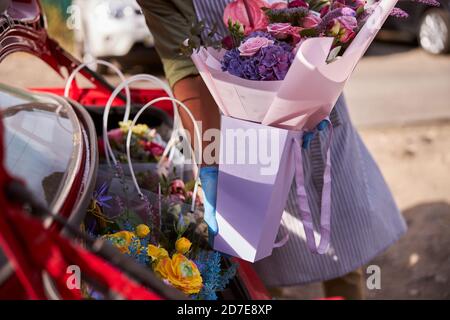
309, 32
129, 217
333, 54
360, 10
317, 5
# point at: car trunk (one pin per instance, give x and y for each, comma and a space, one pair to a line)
29, 35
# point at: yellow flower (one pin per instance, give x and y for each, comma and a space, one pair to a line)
183, 245
121, 240
142, 230
156, 252
125, 126
181, 273
139, 129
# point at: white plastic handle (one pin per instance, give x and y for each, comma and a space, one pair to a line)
72, 76
125, 83
109, 65
197, 133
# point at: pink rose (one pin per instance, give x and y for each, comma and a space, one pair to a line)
253, 45
177, 187
115, 135
156, 149
311, 21
236, 11
227, 42
294, 32
198, 198
279, 30
297, 4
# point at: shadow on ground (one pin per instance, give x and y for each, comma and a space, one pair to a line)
416, 267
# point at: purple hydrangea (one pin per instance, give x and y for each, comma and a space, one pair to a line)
259, 34
269, 63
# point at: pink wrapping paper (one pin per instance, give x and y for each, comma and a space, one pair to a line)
309, 91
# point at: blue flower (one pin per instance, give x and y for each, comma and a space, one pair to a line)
100, 196
214, 279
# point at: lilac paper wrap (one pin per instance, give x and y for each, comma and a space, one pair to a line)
251, 195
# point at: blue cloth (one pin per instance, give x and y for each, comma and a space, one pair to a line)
208, 177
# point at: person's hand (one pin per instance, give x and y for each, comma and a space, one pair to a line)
208, 177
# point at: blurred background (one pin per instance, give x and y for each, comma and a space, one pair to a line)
399, 99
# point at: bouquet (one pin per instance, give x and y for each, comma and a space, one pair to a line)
157, 229
146, 144
286, 64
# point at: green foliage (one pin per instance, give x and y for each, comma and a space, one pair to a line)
317, 5
236, 32
194, 41
312, 32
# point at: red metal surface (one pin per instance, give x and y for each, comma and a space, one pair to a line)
25, 31
32, 249
95, 97
255, 287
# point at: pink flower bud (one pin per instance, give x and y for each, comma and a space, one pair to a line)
343, 28
115, 135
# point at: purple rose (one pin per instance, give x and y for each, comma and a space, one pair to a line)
251, 46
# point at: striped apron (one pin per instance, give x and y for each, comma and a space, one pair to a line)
364, 217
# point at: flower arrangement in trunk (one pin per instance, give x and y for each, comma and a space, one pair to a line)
157, 229
146, 144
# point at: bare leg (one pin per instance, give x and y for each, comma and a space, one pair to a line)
349, 287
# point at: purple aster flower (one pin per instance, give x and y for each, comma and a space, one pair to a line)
399, 13
100, 196
332, 15
432, 3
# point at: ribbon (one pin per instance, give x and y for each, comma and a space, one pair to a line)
302, 199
